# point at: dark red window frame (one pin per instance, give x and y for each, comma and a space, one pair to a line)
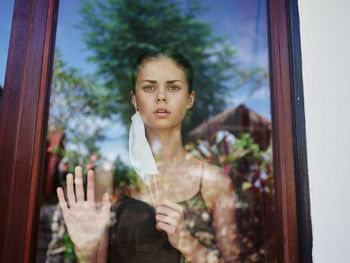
24, 115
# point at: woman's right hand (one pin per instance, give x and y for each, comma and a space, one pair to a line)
86, 226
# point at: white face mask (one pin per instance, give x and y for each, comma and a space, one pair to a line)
140, 154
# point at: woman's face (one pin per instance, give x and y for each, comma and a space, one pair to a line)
162, 93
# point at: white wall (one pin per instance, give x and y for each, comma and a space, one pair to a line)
325, 44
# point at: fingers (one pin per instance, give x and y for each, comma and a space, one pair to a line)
70, 190
62, 201
166, 227
91, 187
163, 210
169, 209
78, 180
168, 214
169, 204
166, 219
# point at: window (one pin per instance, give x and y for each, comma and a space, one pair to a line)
31, 133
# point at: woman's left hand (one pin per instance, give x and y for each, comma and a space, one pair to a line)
170, 218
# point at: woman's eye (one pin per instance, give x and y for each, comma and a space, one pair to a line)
148, 88
174, 88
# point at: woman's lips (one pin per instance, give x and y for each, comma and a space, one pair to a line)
162, 115
161, 112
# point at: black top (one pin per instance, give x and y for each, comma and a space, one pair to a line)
135, 239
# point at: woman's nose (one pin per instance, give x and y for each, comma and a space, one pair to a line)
162, 97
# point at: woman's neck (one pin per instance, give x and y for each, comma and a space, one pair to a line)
166, 146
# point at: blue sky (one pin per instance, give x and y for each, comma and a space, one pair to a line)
6, 10
243, 22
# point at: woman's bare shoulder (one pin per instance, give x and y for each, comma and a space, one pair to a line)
213, 173
215, 182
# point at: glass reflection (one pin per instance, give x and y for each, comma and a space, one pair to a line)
6, 10
209, 132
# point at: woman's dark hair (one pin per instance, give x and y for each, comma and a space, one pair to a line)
169, 53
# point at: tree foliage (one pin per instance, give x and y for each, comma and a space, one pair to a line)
72, 109
118, 31
72, 96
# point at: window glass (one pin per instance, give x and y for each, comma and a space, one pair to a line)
6, 10
198, 181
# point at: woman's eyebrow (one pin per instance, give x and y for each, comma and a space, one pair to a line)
154, 81
150, 81
172, 81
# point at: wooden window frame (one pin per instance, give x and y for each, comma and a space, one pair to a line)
24, 115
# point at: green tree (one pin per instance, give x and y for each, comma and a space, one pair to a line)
72, 109
118, 31
71, 95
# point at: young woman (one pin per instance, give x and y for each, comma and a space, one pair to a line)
194, 218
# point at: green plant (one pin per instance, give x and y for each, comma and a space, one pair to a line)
69, 256
252, 175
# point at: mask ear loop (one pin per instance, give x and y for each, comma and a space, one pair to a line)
150, 190
135, 103
155, 183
